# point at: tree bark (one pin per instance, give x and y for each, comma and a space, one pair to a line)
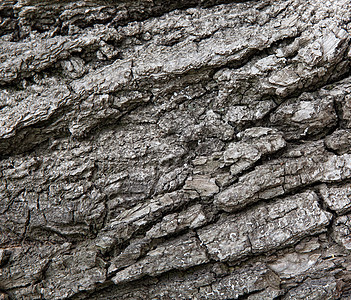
175, 149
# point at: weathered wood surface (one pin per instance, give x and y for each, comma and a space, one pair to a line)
175, 149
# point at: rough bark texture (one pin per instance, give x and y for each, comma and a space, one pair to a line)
190, 149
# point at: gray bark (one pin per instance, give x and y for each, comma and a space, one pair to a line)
175, 150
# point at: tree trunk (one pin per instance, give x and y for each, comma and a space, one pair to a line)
184, 149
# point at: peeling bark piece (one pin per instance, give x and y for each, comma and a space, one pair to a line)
213, 164
210, 164
293, 264
182, 253
251, 112
337, 199
265, 228
254, 143
308, 115
191, 218
298, 168
204, 185
130, 221
130, 255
